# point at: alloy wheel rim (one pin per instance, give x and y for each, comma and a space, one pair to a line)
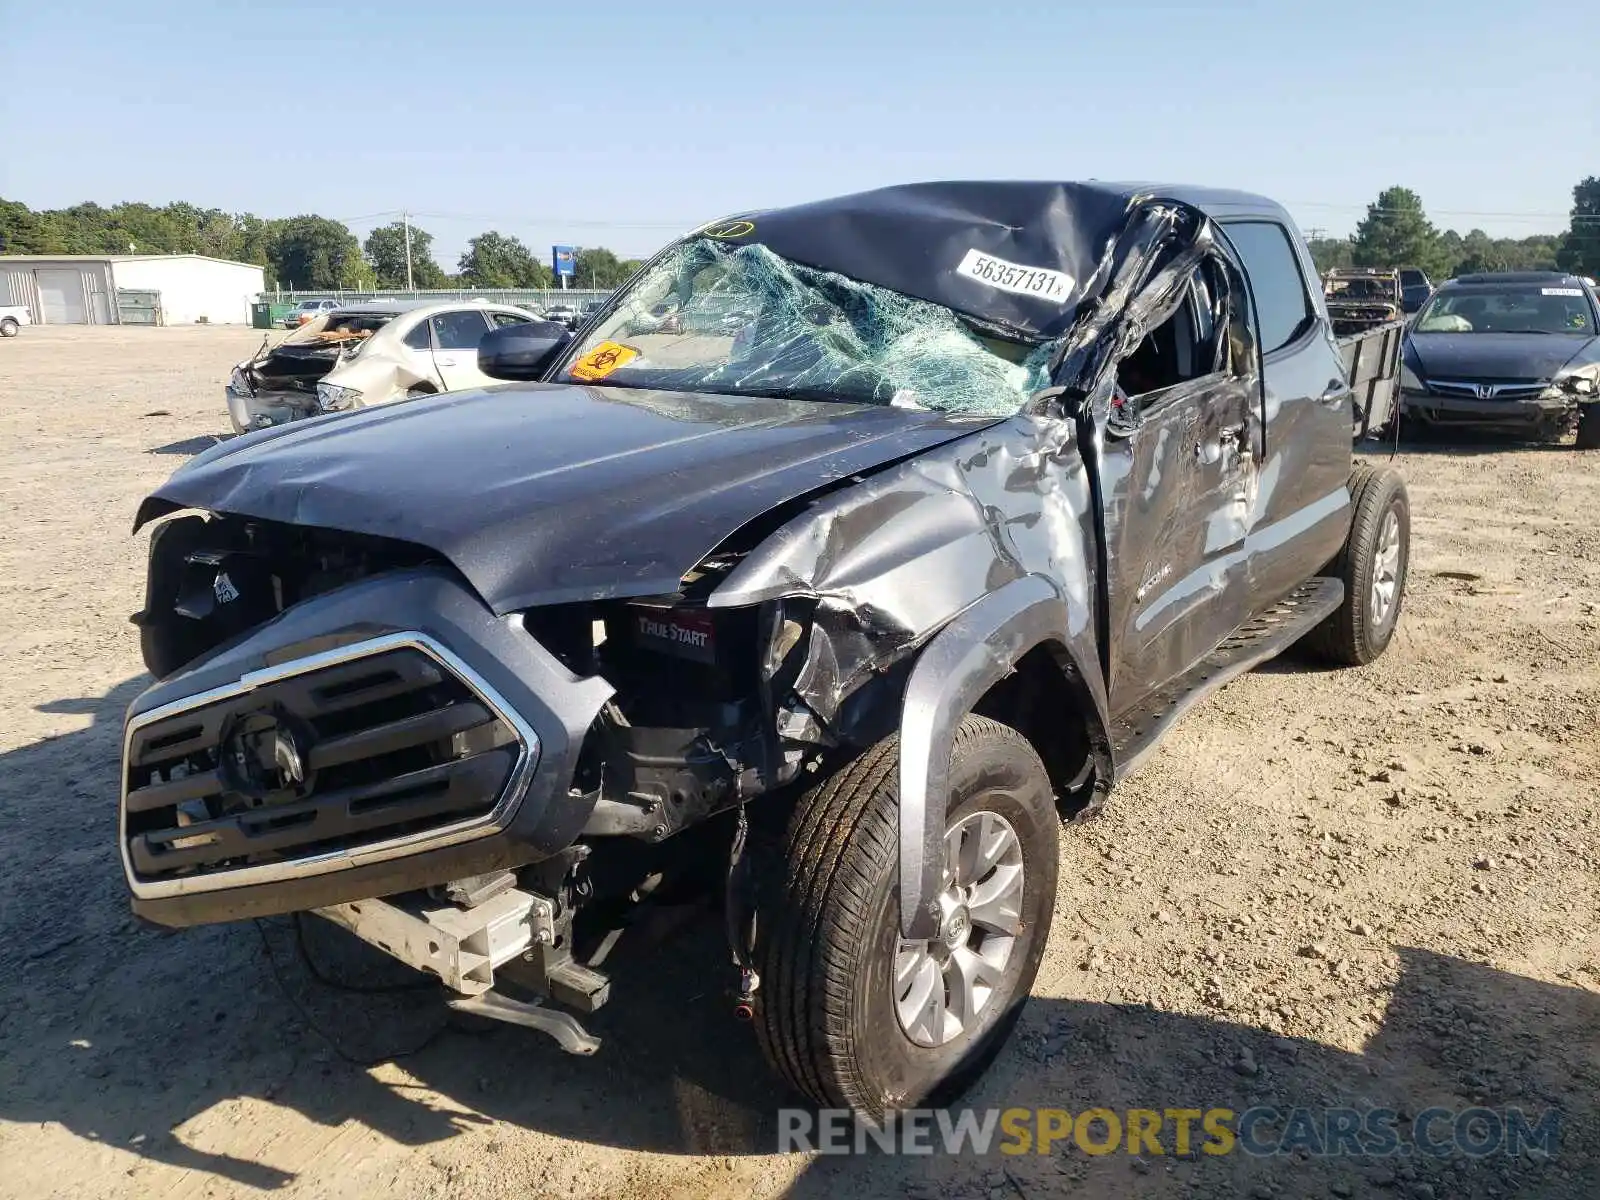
944, 985
1386, 568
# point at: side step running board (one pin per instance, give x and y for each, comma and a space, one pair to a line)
1266, 635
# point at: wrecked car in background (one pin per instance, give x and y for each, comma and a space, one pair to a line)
1361, 298
361, 355
936, 510
1514, 352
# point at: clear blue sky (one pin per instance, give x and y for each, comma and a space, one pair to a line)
621, 123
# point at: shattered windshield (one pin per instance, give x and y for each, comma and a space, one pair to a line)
741, 320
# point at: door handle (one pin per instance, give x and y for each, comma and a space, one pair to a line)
1337, 389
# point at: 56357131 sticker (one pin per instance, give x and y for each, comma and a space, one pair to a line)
602, 360
1039, 282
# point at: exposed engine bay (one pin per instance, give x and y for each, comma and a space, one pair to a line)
301, 360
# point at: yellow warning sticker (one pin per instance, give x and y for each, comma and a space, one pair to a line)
602, 360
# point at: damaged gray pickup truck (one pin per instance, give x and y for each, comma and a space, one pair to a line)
924, 517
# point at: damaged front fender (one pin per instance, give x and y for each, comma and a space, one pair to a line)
967, 658
931, 581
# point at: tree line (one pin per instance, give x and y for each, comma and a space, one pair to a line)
307, 253
1396, 232
313, 253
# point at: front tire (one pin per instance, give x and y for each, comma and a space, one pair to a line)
9, 327
1373, 566
1588, 427
848, 1012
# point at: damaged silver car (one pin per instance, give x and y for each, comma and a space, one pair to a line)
910, 534
361, 355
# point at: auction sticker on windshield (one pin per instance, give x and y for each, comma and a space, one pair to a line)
1561, 291
1014, 277
602, 360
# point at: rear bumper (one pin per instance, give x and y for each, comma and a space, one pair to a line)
1523, 413
264, 409
426, 610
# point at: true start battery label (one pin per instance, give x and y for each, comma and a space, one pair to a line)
684, 634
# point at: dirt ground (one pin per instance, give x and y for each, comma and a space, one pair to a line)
1372, 887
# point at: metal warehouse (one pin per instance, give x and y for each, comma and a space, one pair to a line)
130, 289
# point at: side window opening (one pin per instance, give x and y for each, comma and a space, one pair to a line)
1184, 347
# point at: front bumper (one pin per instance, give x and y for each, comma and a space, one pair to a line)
1521, 413
264, 409
351, 855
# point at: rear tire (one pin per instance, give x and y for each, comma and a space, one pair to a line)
1372, 566
1588, 426
9, 327
848, 1013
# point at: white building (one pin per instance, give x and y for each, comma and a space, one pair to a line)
130, 289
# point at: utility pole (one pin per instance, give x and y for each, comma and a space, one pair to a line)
406, 220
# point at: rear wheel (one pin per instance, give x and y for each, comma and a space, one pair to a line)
1588, 426
9, 327
1373, 566
856, 1016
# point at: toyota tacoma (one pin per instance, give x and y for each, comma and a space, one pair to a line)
929, 514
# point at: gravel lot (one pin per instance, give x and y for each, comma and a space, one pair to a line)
1329, 888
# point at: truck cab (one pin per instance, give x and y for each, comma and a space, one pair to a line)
930, 512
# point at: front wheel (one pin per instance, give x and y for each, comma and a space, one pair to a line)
1588, 426
849, 1012
9, 327
1373, 567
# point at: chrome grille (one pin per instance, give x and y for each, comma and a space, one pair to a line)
390, 743
1501, 389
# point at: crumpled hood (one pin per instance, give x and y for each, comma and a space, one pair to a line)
1496, 355
543, 494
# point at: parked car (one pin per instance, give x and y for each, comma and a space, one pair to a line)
13, 317
1007, 478
1513, 351
362, 355
563, 314
307, 311
1415, 289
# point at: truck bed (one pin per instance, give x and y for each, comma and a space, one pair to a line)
1372, 365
